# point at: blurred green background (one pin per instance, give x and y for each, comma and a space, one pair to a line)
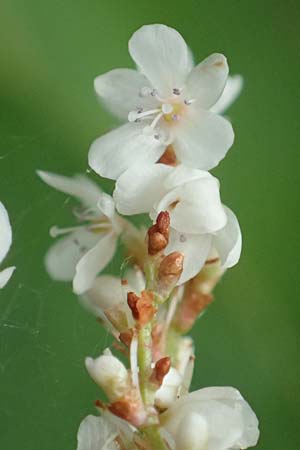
50, 54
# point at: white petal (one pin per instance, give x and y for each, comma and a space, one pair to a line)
182, 174
119, 90
192, 433
167, 393
106, 205
78, 186
232, 90
231, 423
105, 293
228, 240
5, 232
161, 53
116, 151
93, 262
5, 276
62, 257
138, 188
203, 139
96, 433
195, 207
195, 248
207, 80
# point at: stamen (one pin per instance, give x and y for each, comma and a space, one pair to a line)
145, 91
176, 91
189, 102
56, 231
133, 116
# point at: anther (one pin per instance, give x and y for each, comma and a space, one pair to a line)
176, 91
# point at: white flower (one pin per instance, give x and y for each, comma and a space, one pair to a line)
5, 243
167, 101
199, 222
215, 418
89, 247
96, 433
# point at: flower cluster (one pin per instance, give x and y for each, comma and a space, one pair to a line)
172, 134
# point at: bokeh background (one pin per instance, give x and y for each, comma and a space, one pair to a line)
50, 53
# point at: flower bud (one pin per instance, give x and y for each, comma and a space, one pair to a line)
162, 367
110, 374
189, 309
169, 272
192, 433
142, 307
158, 234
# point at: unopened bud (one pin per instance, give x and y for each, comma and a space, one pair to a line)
158, 234
110, 374
126, 337
162, 367
169, 272
142, 307
192, 433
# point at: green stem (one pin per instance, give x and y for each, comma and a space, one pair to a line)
144, 361
154, 438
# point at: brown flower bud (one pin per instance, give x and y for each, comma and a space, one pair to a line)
169, 272
142, 307
160, 370
158, 234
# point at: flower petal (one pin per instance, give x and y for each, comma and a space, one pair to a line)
79, 186
62, 257
96, 433
93, 262
104, 293
5, 232
231, 423
207, 80
194, 247
139, 188
5, 276
228, 240
116, 151
203, 139
231, 91
161, 53
120, 89
194, 207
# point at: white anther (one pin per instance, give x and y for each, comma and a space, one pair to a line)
167, 108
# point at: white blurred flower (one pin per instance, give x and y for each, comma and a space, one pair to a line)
91, 245
97, 433
215, 418
5, 243
167, 101
199, 221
